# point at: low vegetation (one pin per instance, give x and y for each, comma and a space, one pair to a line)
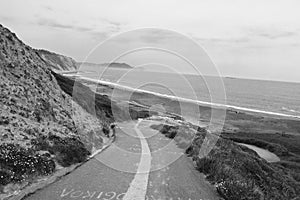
284, 146
18, 164
272, 147
168, 130
238, 172
66, 151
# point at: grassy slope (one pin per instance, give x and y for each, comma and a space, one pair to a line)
237, 172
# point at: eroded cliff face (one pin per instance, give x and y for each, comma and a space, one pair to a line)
41, 127
56, 61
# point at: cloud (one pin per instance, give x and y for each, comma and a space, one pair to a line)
101, 30
239, 40
272, 33
107, 28
48, 8
146, 36
154, 36
7, 19
99, 35
111, 22
255, 37
278, 35
110, 26
55, 24
295, 44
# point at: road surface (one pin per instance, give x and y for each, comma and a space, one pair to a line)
141, 164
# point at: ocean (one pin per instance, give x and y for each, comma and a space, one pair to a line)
273, 97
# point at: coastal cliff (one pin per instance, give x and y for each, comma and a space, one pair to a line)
109, 65
56, 61
42, 128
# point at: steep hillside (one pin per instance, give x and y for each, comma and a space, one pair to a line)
56, 61
41, 127
110, 65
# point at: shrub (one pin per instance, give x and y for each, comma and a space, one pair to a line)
241, 175
171, 134
204, 165
105, 130
70, 153
4, 178
18, 164
231, 189
67, 150
167, 130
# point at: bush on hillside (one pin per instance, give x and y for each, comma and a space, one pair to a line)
168, 130
237, 172
67, 151
18, 164
240, 175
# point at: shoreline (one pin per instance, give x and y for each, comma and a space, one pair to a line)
185, 100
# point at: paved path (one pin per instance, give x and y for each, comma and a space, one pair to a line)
164, 172
138, 186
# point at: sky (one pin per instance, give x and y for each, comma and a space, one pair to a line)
257, 39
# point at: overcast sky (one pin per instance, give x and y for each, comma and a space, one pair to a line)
254, 39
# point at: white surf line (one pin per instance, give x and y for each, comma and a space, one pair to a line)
203, 103
138, 187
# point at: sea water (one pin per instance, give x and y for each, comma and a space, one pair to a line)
273, 97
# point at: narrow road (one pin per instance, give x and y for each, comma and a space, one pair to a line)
138, 187
140, 164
